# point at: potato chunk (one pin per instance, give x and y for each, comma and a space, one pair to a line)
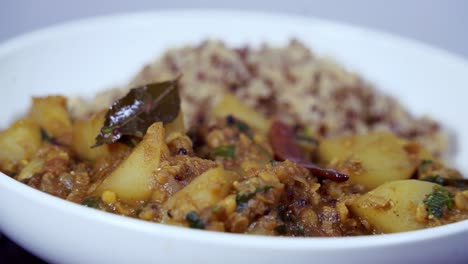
18, 142
392, 207
371, 159
205, 190
51, 114
36, 165
132, 179
231, 105
175, 128
84, 136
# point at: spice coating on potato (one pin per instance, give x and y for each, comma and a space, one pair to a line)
370, 159
18, 143
132, 179
51, 114
392, 207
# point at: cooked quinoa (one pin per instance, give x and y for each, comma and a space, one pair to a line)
291, 81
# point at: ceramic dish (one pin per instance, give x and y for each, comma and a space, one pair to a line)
87, 56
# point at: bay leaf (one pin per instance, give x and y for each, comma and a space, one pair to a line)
130, 116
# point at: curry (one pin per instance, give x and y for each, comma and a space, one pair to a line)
236, 170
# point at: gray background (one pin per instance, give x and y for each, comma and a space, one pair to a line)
438, 22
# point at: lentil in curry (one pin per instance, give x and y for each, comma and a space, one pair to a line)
232, 167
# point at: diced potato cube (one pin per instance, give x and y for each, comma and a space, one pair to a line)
18, 142
175, 128
84, 136
231, 105
205, 190
132, 179
36, 165
392, 207
370, 159
51, 114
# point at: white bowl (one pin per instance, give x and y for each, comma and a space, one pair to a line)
87, 56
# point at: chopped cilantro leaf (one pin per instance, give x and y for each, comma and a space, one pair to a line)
228, 151
426, 162
44, 135
243, 127
243, 198
438, 200
423, 166
47, 138
216, 209
240, 125
194, 220
281, 229
90, 202
263, 189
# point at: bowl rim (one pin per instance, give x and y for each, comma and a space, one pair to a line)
239, 240
74, 25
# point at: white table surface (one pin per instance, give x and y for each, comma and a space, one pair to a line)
441, 23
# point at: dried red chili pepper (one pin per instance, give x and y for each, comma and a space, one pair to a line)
282, 140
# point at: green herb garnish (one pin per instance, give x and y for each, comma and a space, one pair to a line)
263, 189
281, 229
47, 138
243, 198
216, 208
194, 220
299, 229
131, 115
242, 126
425, 162
239, 124
423, 166
90, 202
228, 151
291, 223
44, 135
438, 200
